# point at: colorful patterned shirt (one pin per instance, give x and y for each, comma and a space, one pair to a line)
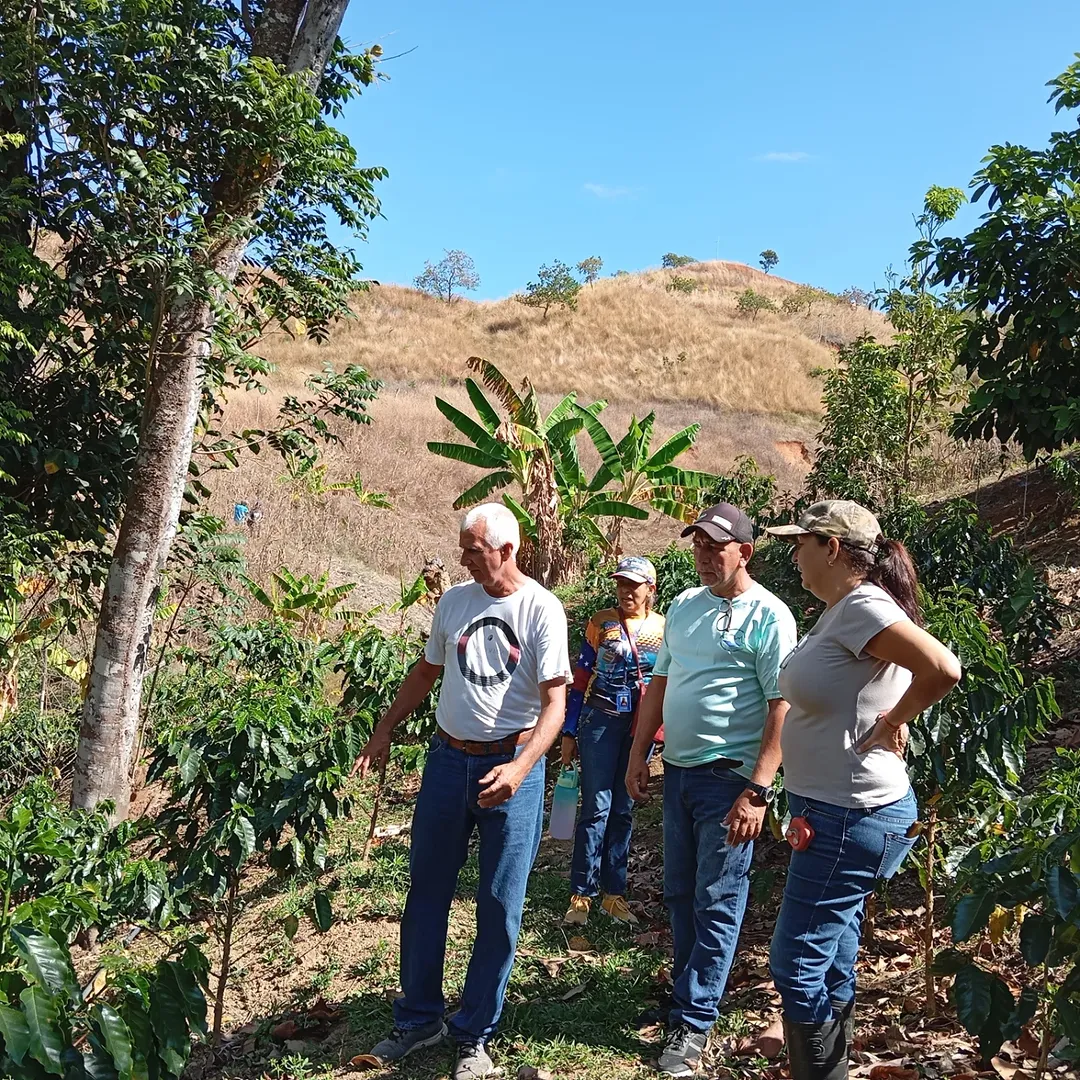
606, 663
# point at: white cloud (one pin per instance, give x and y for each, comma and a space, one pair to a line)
605, 191
784, 156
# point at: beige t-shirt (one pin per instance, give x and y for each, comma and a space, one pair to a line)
836, 691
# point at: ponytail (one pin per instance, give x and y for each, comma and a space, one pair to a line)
891, 569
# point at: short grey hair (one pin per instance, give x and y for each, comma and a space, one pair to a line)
500, 525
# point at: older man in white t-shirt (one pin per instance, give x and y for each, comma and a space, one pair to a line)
500, 645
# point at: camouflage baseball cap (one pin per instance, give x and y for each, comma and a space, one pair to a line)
841, 518
636, 568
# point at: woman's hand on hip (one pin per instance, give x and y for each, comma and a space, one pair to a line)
568, 749
883, 734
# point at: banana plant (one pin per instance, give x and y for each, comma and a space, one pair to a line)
643, 477
535, 453
311, 602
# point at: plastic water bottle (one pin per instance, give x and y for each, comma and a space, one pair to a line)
564, 805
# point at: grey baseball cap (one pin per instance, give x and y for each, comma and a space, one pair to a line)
636, 568
841, 518
723, 522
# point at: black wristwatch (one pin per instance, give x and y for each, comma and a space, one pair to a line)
762, 792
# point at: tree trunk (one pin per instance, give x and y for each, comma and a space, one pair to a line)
298, 36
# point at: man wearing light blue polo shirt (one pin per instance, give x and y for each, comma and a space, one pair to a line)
714, 688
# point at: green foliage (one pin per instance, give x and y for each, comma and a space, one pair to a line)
862, 434
63, 871
254, 773
1018, 275
751, 303
452, 274
768, 260
857, 297
1064, 470
671, 261
1027, 871
373, 665
49, 1028
311, 603
680, 284
590, 268
34, 743
804, 297
747, 487
555, 285
104, 229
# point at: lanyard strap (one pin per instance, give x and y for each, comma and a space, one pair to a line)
633, 649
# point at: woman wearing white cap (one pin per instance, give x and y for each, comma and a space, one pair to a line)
613, 669
854, 682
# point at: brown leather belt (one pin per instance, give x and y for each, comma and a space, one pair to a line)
476, 746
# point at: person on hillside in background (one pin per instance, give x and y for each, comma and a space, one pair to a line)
853, 682
500, 645
714, 689
613, 669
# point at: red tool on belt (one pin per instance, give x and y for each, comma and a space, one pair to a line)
799, 833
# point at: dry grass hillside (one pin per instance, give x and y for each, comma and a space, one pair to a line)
690, 357
631, 339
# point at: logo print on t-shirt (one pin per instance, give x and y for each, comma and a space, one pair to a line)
498, 652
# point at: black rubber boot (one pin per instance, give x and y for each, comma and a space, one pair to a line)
820, 1051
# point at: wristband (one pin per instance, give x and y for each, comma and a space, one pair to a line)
895, 727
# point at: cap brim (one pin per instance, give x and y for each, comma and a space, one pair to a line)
787, 531
715, 532
635, 577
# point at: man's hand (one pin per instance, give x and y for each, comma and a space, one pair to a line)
744, 819
375, 753
499, 784
568, 749
893, 739
637, 778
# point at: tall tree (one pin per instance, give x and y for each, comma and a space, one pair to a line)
178, 172
1020, 271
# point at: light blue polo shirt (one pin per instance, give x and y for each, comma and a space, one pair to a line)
722, 661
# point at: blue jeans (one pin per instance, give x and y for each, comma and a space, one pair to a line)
602, 838
446, 814
816, 939
705, 887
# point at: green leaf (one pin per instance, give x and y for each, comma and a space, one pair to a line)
324, 915
483, 488
484, 409
290, 926
971, 915
468, 427
971, 996
16, 1033
117, 1039
1035, 934
189, 761
47, 961
601, 506
1061, 888
605, 446
245, 833
678, 444
43, 1023
470, 455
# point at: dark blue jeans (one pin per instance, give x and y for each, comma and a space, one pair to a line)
705, 887
816, 939
446, 814
602, 838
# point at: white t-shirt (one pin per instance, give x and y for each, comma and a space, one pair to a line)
495, 651
836, 690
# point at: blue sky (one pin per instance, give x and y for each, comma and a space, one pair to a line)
524, 133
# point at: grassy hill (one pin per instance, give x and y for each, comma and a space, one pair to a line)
632, 341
